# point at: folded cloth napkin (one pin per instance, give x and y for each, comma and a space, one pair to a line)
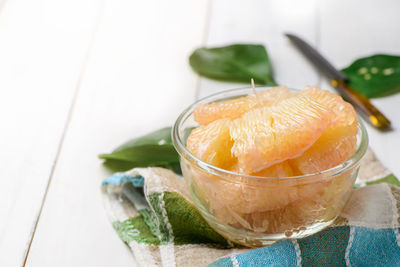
151, 210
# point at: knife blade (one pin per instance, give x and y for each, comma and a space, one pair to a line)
339, 81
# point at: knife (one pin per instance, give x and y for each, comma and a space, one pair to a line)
338, 80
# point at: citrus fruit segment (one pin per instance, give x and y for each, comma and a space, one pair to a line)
207, 113
269, 135
271, 96
244, 195
282, 169
344, 113
336, 145
338, 142
232, 109
212, 143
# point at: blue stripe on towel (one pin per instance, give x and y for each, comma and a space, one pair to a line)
280, 254
373, 247
121, 178
326, 248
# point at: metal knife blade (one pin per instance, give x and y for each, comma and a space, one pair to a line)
339, 81
317, 59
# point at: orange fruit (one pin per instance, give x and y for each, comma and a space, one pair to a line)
269, 135
232, 109
212, 143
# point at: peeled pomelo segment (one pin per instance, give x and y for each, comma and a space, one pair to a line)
290, 219
232, 109
271, 96
207, 113
243, 195
240, 206
282, 169
344, 113
212, 143
336, 145
240, 196
318, 198
269, 135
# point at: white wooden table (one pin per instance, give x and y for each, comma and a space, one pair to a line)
78, 77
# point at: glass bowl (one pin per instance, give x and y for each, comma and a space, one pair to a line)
257, 211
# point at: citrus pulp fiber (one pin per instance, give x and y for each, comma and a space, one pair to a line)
232, 109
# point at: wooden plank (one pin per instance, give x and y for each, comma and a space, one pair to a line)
42, 51
356, 29
265, 22
137, 80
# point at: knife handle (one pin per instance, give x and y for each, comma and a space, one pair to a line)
364, 106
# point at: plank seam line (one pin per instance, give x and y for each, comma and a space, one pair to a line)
206, 31
66, 126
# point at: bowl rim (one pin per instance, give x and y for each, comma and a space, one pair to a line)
184, 152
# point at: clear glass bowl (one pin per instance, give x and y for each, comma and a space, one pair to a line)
256, 211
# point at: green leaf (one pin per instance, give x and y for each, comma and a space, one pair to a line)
154, 149
375, 76
159, 137
239, 62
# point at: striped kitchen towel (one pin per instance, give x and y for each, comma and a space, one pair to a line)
151, 210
